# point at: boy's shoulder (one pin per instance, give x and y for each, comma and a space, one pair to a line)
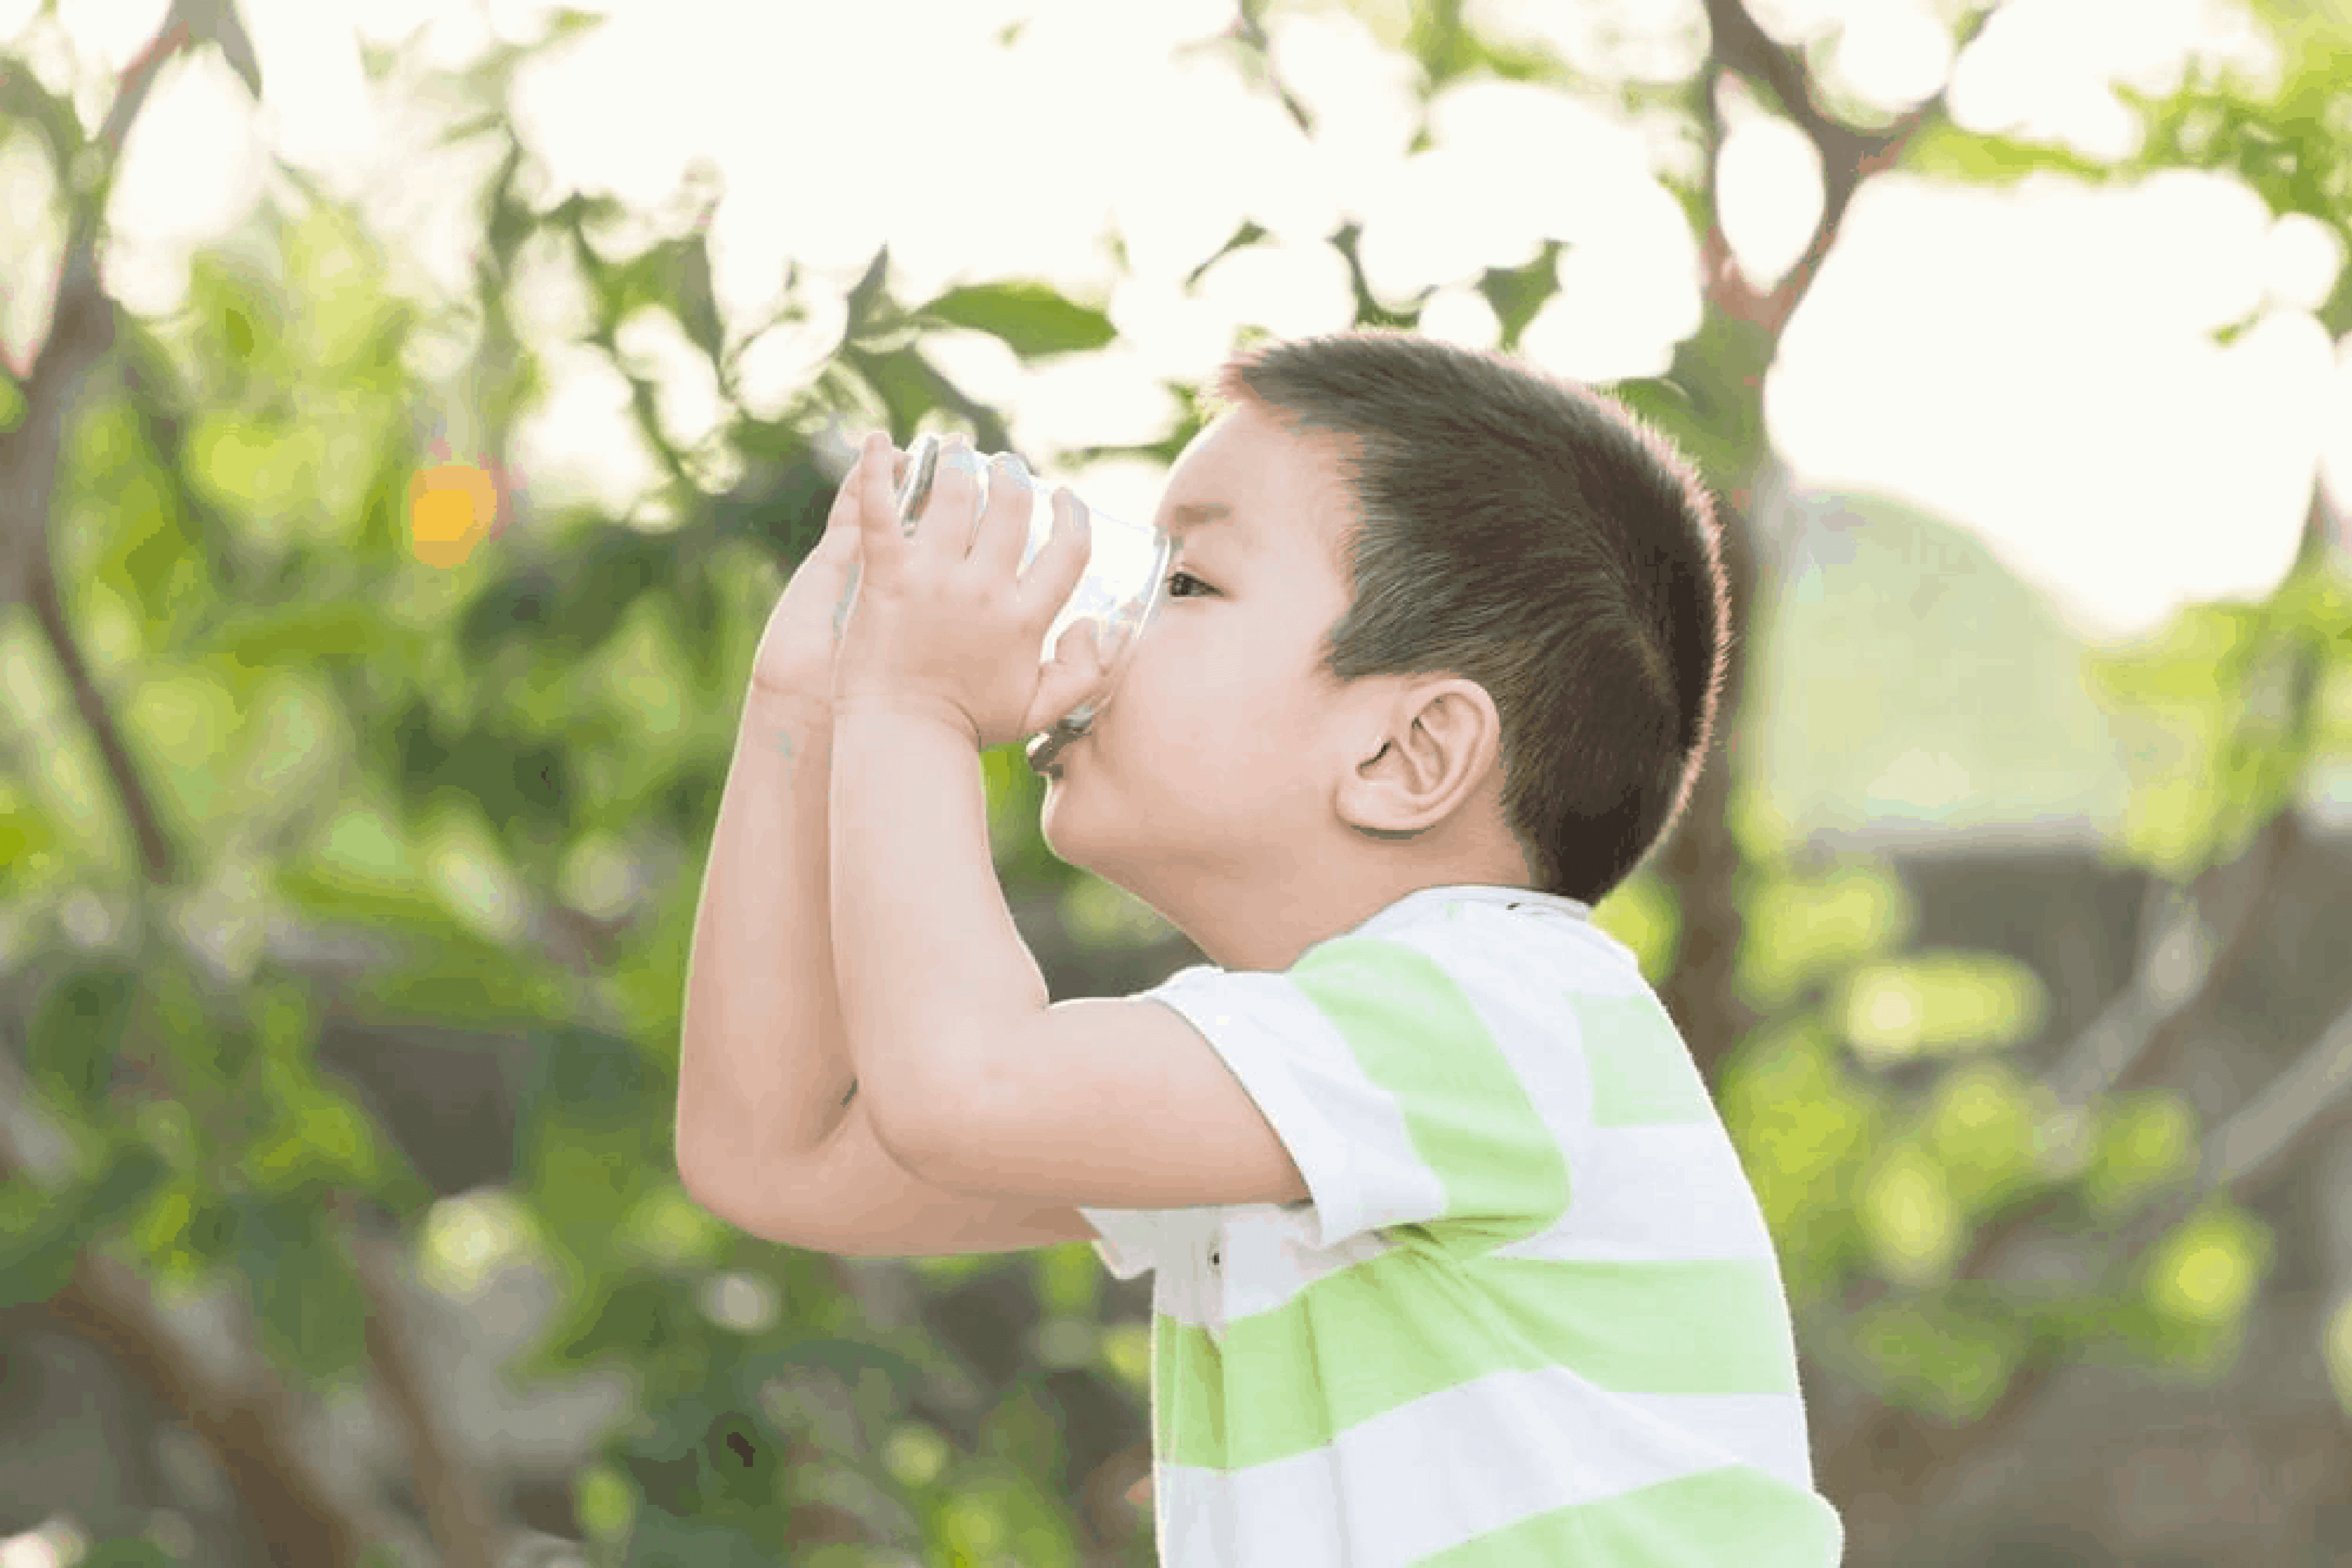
1477, 938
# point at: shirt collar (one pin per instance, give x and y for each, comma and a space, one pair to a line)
1423, 902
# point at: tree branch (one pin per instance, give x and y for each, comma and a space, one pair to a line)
1249, 28
81, 332
1849, 156
462, 1520
251, 1432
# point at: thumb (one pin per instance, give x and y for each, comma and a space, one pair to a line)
1076, 670
845, 529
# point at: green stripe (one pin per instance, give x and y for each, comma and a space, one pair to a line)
1643, 1075
1732, 1515
1417, 1320
1413, 1033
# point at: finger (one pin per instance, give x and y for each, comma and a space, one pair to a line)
877, 508
1003, 535
840, 539
1054, 575
947, 519
846, 493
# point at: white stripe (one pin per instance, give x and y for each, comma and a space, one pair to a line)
1347, 1132
1657, 1195
1455, 1464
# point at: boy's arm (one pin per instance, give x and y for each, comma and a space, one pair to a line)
933, 973
764, 1069
973, 1083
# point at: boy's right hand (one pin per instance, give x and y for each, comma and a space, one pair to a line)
796, 650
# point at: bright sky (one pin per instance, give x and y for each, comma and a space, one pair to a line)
2035, 365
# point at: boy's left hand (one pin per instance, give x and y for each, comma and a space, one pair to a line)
946, 622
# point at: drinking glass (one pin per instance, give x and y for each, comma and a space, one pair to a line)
1125, 583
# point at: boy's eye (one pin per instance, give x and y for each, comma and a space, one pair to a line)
1174, 577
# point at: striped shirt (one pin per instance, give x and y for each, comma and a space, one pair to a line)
1530, 1313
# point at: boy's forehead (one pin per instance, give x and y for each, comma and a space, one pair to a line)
1237, 473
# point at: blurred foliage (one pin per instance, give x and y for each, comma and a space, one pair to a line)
457, 761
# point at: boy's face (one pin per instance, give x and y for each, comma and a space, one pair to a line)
1218, 783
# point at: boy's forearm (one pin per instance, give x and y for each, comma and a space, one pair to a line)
764, 1065
931, 968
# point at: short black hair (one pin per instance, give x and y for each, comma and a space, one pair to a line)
1529, 533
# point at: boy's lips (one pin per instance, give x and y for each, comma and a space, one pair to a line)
1045, 752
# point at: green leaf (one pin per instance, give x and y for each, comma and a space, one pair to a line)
42, 1234
600, 584
319, 1144
311, 1310
1982, 1127
849, 1360
588, 1078
515, 606
1915, 1226
78, 1031
742, 1461
868, 296
1807, 931
38, 1243
136, 1173
629, 1318
904, 380
2147, 1138
152, 554
310, 634
1707, 402
456, 977
593, 1126
1943, 150
24, 100
693, 296
662, 1539
1035, 322
1517, 293
2208, 1269
184, 1229
1931, 1355
1939, 1002
133, 1552
1801, 1126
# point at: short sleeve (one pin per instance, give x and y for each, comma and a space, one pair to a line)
1131, 1240
1403, 1099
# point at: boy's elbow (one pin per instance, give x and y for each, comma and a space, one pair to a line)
905, 1132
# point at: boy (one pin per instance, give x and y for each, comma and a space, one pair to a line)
1454, 1261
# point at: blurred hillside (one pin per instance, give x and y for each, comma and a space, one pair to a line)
1907, 685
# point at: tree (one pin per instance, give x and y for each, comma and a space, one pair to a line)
202, 525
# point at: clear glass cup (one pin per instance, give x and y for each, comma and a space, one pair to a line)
1125, 583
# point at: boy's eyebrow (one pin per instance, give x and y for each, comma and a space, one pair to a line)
1191, 515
